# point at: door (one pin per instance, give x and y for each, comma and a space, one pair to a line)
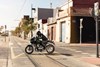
63, 32
52, 33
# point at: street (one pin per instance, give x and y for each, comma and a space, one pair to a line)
12, 54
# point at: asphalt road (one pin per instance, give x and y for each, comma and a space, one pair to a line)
62, 57
68, 51
77, 51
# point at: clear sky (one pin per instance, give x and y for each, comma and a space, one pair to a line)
11, 11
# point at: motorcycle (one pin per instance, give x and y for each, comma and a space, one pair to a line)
36, 46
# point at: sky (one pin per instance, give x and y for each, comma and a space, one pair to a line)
11, 11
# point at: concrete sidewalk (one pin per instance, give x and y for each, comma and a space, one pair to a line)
92, 60
74, 44
4, 52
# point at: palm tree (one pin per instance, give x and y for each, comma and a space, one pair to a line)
28, 26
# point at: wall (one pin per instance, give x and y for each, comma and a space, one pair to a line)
67, 29
54, 32
65, 18
44, 28
84, 3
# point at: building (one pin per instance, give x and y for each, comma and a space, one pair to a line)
63, 28
52, 29
42, 26
83, 10
41, 15
70, 28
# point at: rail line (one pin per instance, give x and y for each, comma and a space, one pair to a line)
32, 61
36, 63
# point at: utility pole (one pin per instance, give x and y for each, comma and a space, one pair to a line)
96, 13
50, 5
31, 20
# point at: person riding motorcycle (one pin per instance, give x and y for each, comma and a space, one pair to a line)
40, 43
42, 37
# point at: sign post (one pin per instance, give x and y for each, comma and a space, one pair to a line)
96, 13
81, 26
5, 32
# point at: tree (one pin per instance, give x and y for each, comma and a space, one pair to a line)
17, 31
25, 26
13, 32
28, 25
32, 26
1, 27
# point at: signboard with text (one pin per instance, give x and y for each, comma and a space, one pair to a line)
96, 9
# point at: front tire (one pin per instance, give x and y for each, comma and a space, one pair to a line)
50, 49
29, 49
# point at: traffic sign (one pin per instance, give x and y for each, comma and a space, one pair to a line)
96, 9
5, 26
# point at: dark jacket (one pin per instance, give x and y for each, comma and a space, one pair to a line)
42, 36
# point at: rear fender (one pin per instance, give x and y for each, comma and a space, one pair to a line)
51, 42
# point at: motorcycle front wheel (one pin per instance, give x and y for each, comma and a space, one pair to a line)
29, 49
50, 49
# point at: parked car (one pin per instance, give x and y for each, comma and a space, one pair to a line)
4, 34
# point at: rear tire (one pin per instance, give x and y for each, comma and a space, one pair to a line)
50, 49
29, 49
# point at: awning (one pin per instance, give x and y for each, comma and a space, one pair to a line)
81, 11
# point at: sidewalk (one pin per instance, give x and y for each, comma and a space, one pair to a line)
74, 44
92, 60
4, 52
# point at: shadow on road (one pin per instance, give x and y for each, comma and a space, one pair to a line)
51, 54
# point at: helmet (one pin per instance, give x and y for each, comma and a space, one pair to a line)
38, 33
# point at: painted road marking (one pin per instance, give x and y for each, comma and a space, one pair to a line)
13, 55
71, 49
78, 51
93, 55
10, 63
12, 51
19, 43
10, 44
85, 53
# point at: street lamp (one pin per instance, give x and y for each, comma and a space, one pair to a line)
32, 18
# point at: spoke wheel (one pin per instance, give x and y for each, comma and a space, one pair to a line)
29, 49
50, 49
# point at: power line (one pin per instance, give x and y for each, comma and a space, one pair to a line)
21, 9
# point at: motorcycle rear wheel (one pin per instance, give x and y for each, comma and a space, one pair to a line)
50, 49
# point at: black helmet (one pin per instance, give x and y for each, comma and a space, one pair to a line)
38, 33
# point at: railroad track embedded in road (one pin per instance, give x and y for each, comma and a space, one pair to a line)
34, 62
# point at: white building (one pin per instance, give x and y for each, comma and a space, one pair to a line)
40, 14
42, 26
63, 27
